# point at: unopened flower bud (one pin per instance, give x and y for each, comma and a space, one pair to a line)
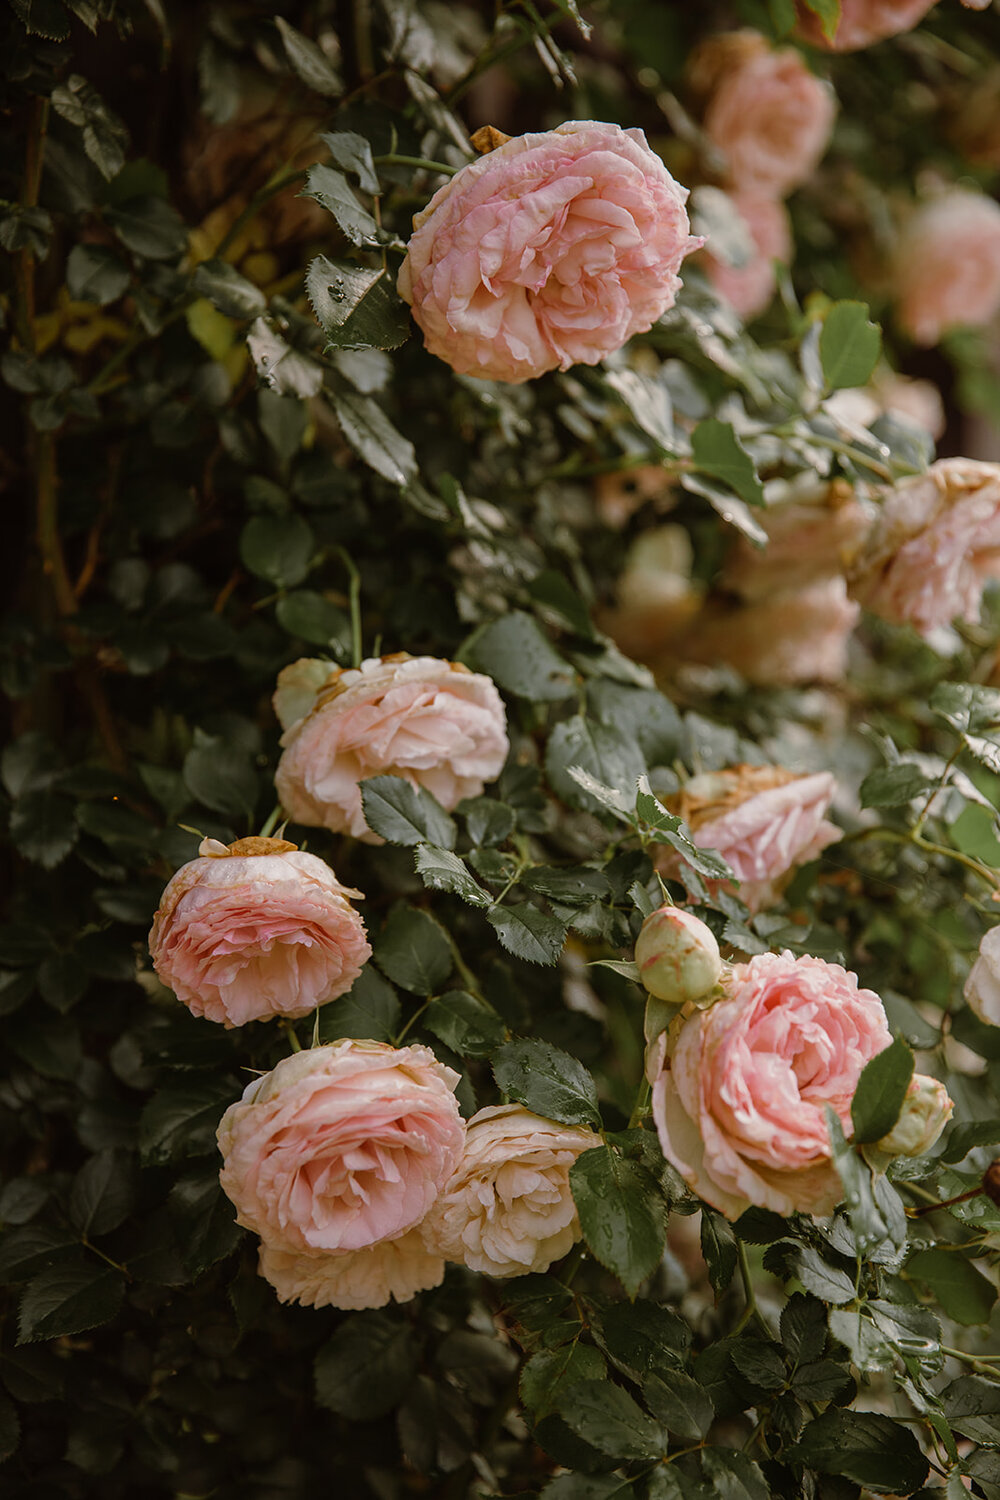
926, 1111
678, 956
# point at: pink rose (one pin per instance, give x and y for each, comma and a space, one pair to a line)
763, 820
947, 265
982, 988
392, 1270
341, 1147
432, 722
769, 117
552, 250
749, 288
739, 1105
810, 538
934, 547
799, 635
508, 1209
254, 930
864, 22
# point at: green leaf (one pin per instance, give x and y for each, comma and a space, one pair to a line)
683, 1406
587, 1486
519, 658
549, 1375
717, 451
718, 1246
621, 1214
369, 1011
353, 153
974, 832
205, 1219
878, 1221
366, 1368
966, 706
69, 1298
221, 777
45, 18
607, 1417
962, 1139
821, 1380
881, 1090
759, 1362
894, 786
26, 1251
486, 820
972, 1406
374, 439
849, 345
333, 192
227, 290
823, 1280
603, 751
829, 15
414, 951
803, 1327
103, 1193
442, 870
312, 618
104, 135
547, 1081
863, 1446
963, 1292
641, 1336
405, 814
556, 593
576, 886
95, 274
43, 827
149, 226
733, 1476
465, 1023
180, 1122
527, 932
357, 307
309, 61
278, 548
648, 402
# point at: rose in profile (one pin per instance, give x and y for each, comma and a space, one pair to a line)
552, 250
508, 1208
390, 1271
341, 1147
946, 269
863, 22
926, 1111
934, 547
982, 988
739, 1100
750, 287
432, 722
256, 929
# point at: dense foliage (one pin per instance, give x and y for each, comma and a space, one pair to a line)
226, 448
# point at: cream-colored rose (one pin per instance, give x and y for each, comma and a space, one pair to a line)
934, 547
946, 269
926, 1111
392, 1270
432, 722
508, 1208
982, 988
656, 596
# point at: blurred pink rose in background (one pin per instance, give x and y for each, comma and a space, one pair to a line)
393, 1270
934, 547
982, 988
739, 1101
811, 536
552, 250
341, 1147
864, 22
946, 267
796, 636
432, 722
749, 288
254, 930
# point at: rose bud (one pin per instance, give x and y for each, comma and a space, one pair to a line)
982, 988
926, 1111
678, 956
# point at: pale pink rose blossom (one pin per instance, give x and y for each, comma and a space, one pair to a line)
770, 118
749, 288
864, 22
739, 1102
799, 635
982, 988
254, 930
552, 250
508, 1209
810, 538
432, 722
765, 821
926, 1110
934, 547
341, 1147
392, 1270
947, 265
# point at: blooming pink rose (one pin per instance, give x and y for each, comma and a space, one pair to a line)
982, 988
552, 250
508, 1209
749, 288
432, 722
254, 930
798, 635
947, 265
763, 820
739, 1105
341, 1147
769, 117
934, 547
864, 22
392, 1270
810, 538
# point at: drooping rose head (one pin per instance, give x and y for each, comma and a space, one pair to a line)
934, 547
393, 1270
764, 821
926, 1111
750, 287
768, 116
863, 22
342, 1146
508, 1209
739, 1102
946, 270
432, 722
254, 930
982, 988
798, 635
552, 250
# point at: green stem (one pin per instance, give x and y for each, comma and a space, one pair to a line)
395, 160
641, 1107
412, 1021
985, 1362
937, 787
277, 813
751, 1310
293, 1040
354, 594
819, 440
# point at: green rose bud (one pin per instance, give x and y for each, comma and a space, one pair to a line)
678, 956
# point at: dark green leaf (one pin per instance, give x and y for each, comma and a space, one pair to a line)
413, 950
405, 814
576, 885
465, 1023
863, 1446
733, 1475
965, 1138
353, 153
367, 1366
370, 1010
966, 706
46, 18
641, 1336
309, 61
963, 1292
547, 1081
519, 658
181, 1122
849, 345
333, 192
554, 592
487, 821
605, 752
682, 1405
278, 548
103, 1193
373, 438
43, 827
69, 1298
442, 870
823, 1280
803, 1327
549, 1374
26, 1251
820, 1380
95, 274
894, 786
718, 1246
312, 618
587, 1486
149, 226
881, 1090
205, 1218
607, 1417
227, 290
357, 307
717, 451
621, 1214
104, 135
221, 777
527, 932
760, 1363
